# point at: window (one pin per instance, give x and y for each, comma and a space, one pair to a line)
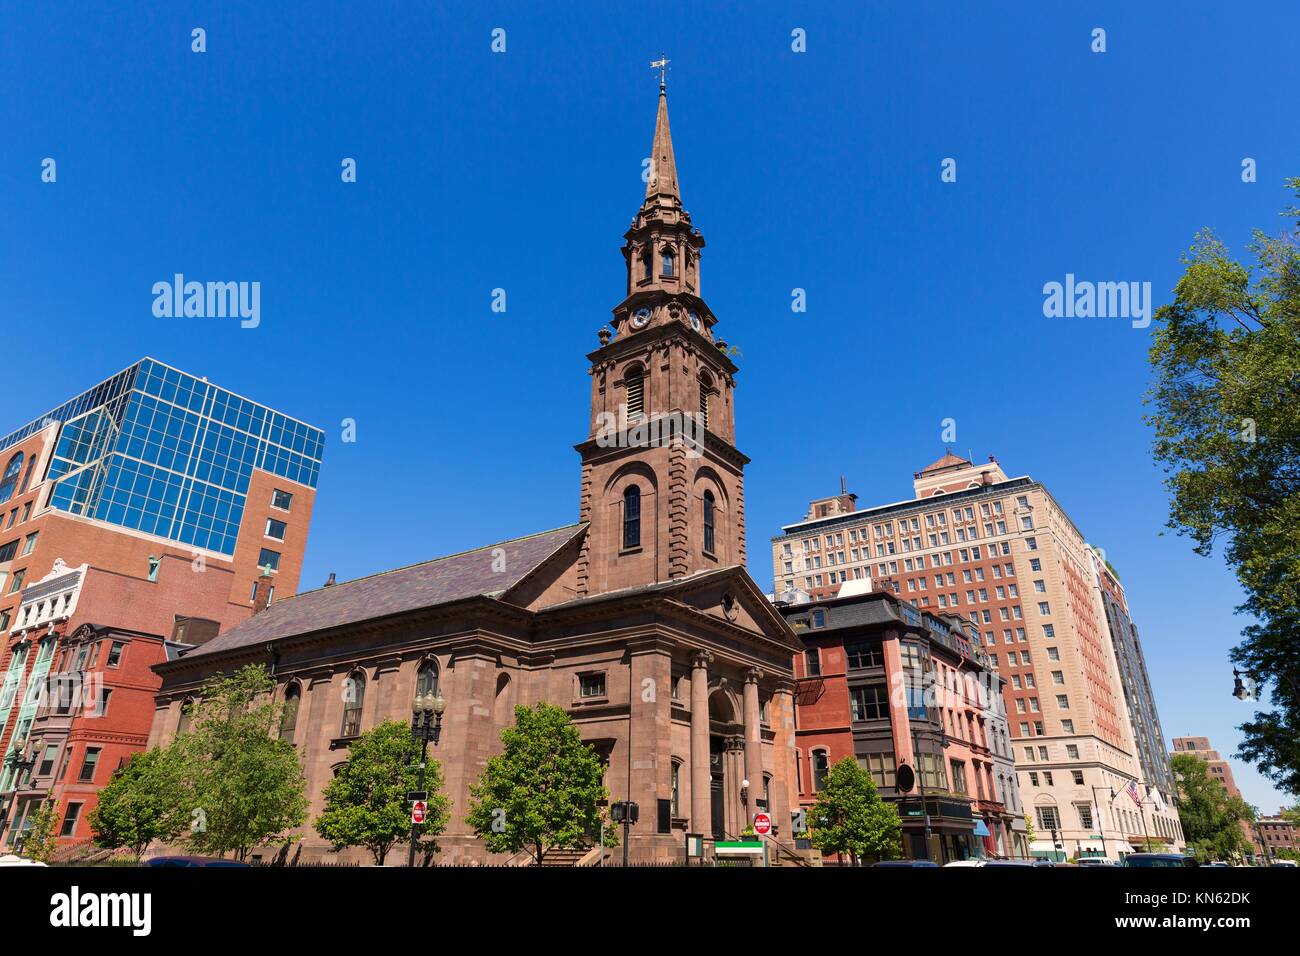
631, 517
1063, 701
820, 768
1072, 751
269, 559
18, 580
634, 380
47, 761
813, 662
67, 759
9, 481
281, 499
1078, 777
708, 522
154, 564
818, 618
115, 654
677, 789
958, 776
70, 820
275, 529
1067, 726
101, 705
869, 703
881, 768
29, 543
1085, 813
863, 654
668, 262
591, 685
289, 716
88, 764
354, 698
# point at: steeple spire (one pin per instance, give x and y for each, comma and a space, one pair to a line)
663, 165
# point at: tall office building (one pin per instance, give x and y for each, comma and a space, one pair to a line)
152, 510
1002, 553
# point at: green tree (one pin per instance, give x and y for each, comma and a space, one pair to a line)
1029, 827
40, 842
247, 785
143, 803
366, 805
1211, 818
849, 818
543, 791
1226, 397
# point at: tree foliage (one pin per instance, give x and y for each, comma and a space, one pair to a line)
40, 842
1226, 397
246, 785
1210, 816
543, 791
849, 818
142, 804
366, 804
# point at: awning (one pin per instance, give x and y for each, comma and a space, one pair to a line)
981, 829
1124, 848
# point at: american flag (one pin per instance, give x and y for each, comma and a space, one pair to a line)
1132, 791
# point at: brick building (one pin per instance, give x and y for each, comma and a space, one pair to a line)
891, 686
1002, 554
145, 509
639, 619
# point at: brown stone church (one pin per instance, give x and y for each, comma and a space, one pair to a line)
640, 620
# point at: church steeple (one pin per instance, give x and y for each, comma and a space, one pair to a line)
662, 480
662, 183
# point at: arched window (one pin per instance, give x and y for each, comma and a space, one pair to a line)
426, 680
27, 478
669, 262
631, 517
706, 386
648, 264
634, 378
677, 789
10, 479
709, 509
353, 699
289, 716
821, 768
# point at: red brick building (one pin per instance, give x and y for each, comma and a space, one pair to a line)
143, 510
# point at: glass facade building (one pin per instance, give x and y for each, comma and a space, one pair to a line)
162, 452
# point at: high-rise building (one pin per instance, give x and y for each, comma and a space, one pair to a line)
1003, 554
145, 511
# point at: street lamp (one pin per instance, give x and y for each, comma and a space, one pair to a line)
20, 765
426, 725
1239, 690
1101, 821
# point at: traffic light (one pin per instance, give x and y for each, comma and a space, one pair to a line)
625, 811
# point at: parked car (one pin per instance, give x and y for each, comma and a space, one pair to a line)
10, 860
907, 863
1218, 864
1095, 861
1018, 863
192, 861
1159, 859
1283, 863
966, 863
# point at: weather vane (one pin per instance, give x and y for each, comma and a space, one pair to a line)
661, 65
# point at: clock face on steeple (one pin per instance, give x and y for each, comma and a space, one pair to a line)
641, 318
694, 319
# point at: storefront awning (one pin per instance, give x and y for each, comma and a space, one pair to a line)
981, 829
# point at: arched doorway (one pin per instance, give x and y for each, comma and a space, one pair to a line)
726, 747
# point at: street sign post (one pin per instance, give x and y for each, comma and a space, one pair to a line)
762, 824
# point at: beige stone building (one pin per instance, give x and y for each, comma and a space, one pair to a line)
639, 619
1003, 553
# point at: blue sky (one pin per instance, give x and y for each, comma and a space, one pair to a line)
521, 170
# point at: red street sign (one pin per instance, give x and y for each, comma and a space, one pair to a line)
762, 824
418, 808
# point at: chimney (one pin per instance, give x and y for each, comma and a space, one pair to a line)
262, 595
331, 581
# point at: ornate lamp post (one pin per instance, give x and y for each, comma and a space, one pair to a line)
20, 766
426, 725
1101, 821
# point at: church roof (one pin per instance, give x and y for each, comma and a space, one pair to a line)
949, 460
439, 581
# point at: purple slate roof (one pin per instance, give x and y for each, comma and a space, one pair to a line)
439, 581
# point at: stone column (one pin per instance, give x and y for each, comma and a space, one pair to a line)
753, 742
700, 776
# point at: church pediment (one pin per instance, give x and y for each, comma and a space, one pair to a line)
730, 595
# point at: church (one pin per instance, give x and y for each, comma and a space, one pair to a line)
639, 619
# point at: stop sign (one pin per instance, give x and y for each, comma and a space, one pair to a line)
762, 824
418, 808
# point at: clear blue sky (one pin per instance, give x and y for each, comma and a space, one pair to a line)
521, 170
